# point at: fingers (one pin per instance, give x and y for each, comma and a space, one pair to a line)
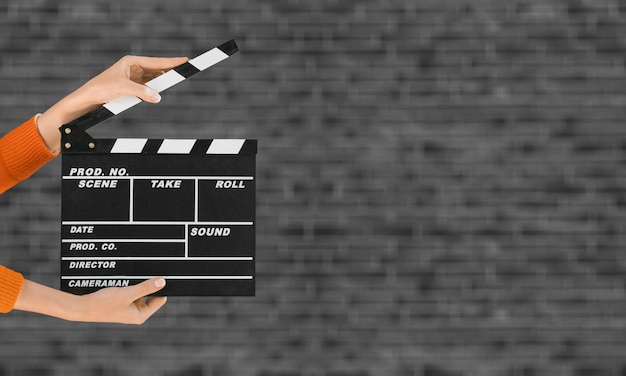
154, 63
141, 306
153, 305
145, 288
146, 307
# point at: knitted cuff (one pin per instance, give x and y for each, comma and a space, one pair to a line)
10, 287
24, 151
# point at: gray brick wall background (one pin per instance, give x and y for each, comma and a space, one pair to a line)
440, 187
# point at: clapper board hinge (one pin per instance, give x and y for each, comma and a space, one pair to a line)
74, 136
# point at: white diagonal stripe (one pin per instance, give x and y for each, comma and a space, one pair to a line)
208, 58
129, 145
173, 146
121, 104
165, 81
225, 146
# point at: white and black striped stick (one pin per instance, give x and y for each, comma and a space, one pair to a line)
74, 137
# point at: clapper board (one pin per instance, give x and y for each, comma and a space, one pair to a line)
182, 209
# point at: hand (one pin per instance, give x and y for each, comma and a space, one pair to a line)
125, 77
125, 305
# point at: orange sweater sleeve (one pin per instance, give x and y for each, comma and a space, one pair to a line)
22, 152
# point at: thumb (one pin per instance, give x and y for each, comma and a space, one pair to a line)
142, 92
146, 288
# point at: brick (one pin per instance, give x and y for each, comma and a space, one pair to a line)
438, 192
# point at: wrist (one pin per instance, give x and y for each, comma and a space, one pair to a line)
75, 308
48, 301
64, 111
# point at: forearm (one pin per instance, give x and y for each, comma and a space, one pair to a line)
126, 305
47, 301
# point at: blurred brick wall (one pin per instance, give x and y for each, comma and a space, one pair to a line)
439, 184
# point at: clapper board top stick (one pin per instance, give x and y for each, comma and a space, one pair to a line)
136, 208
74, 137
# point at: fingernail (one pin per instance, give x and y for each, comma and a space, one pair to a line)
159, 282
156, 97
